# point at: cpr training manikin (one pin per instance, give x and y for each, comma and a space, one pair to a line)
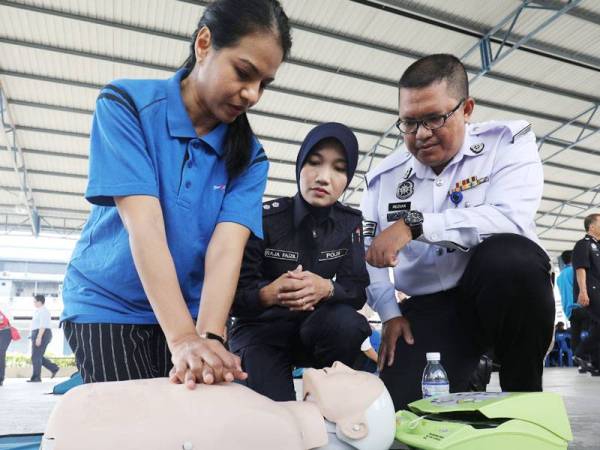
342, 409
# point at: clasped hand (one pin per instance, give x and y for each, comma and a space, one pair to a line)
298, 290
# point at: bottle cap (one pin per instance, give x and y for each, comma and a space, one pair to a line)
434, 356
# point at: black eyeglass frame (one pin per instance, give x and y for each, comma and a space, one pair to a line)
423, 122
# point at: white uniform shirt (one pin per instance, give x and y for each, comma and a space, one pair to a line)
41, 319
499, 175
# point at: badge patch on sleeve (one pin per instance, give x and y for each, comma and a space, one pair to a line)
284, 255
405, 190
328, 255
369, 228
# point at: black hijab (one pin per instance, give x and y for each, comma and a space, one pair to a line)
349, 144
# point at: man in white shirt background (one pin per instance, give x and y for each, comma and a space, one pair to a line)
41, 335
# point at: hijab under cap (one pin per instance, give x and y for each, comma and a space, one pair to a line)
330, 130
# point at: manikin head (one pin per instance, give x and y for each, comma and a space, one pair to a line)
356, 402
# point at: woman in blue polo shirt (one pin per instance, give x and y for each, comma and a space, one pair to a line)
176, 178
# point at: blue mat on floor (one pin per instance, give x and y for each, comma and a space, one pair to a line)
62, 388
21, 442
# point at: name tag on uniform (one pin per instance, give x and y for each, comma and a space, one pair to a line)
281, 254
394, 216
399, 206
328, 255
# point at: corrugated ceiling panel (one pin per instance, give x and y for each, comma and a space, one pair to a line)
50, 93
53, 142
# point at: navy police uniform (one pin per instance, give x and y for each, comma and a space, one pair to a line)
272, 340
586, 255
476, 276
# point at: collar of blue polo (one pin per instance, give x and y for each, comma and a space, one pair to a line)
179, 123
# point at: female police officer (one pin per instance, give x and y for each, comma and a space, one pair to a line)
179, 161
301, 285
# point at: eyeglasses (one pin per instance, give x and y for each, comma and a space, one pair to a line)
411, 126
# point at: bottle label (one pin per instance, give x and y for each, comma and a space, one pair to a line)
435, 389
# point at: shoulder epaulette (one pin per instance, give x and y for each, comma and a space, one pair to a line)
518, 128
276, 206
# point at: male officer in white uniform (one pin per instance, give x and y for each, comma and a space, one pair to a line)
454, 217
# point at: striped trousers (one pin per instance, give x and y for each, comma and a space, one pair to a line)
117, 352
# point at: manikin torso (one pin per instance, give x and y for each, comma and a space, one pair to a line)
345, 409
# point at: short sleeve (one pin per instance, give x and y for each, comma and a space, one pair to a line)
581, 256
243, 200
120, 163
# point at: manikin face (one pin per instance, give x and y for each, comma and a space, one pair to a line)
229, 81
434, 148
323, 176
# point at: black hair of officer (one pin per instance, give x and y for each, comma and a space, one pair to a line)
329, 130
567, 256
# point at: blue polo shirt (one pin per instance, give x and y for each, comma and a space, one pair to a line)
143, 143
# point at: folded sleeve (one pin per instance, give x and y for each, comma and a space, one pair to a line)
511, 200
381, 294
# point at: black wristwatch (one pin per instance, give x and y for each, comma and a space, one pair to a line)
414, 220
216, 337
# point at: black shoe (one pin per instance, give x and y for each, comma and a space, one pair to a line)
581, 370
54, 373
34, 380
584, 364
595, 373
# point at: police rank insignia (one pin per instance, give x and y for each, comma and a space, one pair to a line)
369, 228
405, 190
477, 148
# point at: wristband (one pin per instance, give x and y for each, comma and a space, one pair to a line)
216, 337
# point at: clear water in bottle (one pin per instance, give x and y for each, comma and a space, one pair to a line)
435, 378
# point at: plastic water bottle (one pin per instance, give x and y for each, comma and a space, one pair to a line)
435, 378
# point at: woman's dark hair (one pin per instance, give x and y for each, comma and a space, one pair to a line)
40, 298
229, 21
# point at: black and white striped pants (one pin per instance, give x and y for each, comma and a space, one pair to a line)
117, 352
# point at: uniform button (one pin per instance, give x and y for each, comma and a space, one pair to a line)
467, 204
434, 237
439, 182
188, 184
196, 143
439, 251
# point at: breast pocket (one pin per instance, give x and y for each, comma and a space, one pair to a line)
474, 197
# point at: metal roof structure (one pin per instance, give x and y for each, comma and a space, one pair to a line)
535, 60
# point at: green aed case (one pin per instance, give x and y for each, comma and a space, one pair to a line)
486, 421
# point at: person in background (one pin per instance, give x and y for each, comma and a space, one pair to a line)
586, 289
41, 335
5, 339
176, 182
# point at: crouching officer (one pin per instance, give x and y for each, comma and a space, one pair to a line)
454, 216
300, 287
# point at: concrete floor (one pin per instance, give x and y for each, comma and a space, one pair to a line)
26, 406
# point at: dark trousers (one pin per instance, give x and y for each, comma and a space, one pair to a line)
590, 347
504, 302
269, 351
37, 355
579, 322
116, 352
5, 338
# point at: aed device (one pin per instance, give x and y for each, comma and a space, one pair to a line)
486, 421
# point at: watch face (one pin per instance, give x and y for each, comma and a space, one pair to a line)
413, 218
